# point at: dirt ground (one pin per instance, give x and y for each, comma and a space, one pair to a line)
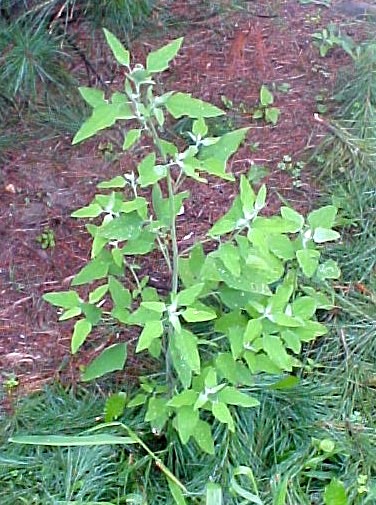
228, 55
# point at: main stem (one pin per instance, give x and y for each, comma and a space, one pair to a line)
175, 250
171, 201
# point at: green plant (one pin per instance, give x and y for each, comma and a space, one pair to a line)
242, 310
264, 110
293, 168
331, 37
46, 239
10, 383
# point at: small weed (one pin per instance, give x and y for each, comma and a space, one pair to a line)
10, 383
331, 37
321, 106
47, 239
293, 168
264, 109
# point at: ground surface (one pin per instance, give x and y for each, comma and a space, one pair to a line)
230, 54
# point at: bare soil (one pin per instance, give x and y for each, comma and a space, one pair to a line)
231, 54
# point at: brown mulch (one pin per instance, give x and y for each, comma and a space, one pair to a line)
230, 55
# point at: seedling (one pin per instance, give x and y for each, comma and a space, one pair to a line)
11, 383
321, 106
293, 168
46, 239
264, 109
330, 38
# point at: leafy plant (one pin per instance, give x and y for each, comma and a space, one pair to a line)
331, 37
264, 110
46, 239
293, 168
253, 292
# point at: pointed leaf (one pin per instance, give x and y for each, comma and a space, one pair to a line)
266, 97
308, 260
151, 331
321, 235
203, 436
111, 359
64, 299
183, 104
131, 137
158, 61
323, 217
121, 54
115, 182
82, 328
92, 96
92, 210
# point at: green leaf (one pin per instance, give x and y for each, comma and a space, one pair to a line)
186, 420
186, 341
272, 115
149, 173
103, 117
304, 307
292, 340
121, 54
222, 413
72, 441
183, 104
139, 399
158, 61
188, 296
92, 210
92, 313
229, 255
252, 331
293, 216
186, 397
98, 293
266, 97
95, 269
328, 270
327, 445
194, 315
203, 436
159, 307
321, 235
281, 246
247, 197
92, 96
124, 227
176, 492
287, 382
111, 359
157, 410
234, 371
274, 348
116, 182
131, 137
121, 296
233, 396
114, 406
308, 260
64, 299
214, 494
324, 217
200, 127
81, 330
335, 493
151, 331
70, 313
220, 152
180, 364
